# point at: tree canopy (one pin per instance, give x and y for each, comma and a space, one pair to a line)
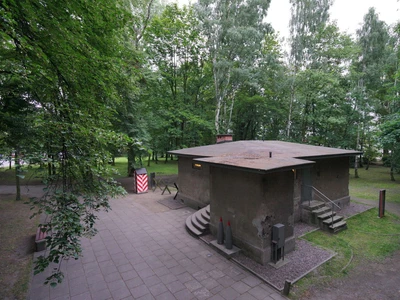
81, 81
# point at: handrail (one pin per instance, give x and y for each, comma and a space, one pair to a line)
322, 194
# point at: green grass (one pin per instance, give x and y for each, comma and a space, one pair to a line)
161, 168
373, 180
368, 238
34, 174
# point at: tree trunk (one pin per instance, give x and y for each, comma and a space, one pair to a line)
392, 167
131, 161
10, 161
17, 174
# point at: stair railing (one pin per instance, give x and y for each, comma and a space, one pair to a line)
324, 198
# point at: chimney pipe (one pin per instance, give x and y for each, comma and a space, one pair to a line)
270, 154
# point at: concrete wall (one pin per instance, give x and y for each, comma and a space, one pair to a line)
253, 203
194, 188
331, 177
298, 176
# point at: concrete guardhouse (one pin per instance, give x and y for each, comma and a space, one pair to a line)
257, 184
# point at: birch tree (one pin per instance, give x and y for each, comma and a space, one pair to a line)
234, 30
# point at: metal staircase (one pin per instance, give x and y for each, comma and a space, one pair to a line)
322, 212
198, 223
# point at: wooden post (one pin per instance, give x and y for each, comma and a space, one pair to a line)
382, 198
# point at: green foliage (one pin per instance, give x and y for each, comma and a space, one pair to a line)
67, 60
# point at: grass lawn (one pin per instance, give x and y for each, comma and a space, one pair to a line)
373, 180
161, 168
367, 238
33, 174
17, 246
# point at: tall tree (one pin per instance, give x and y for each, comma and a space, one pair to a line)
308, 17
69, 57
234, 30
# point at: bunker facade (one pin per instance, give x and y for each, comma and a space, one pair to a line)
256, 184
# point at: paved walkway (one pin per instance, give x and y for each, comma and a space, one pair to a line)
142, 251
389, 206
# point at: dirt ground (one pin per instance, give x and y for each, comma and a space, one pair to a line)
366, 280
16, 246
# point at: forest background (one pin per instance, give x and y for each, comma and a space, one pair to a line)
83, 82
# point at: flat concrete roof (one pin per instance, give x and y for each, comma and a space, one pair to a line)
259, 165
255, 155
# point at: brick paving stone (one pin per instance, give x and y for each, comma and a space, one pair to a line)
171, 263
258, 292
246, 296
115, 285
184, 277
184, 295
229, 293
226, 281
193, 285
200, 275
112, 277
175, 286
216, 274
152, 280
139, 291
141, 266
217, 289
103, 294
177, 270
161, 271
277, 296
167, 278
251, 280
145, 273
124, 268
207, 267
97, 286
94, 278
209, 283
240, 287
138, 254
165, 296
83, 296
64, 297
129, 275
121, 293
78, 289
76, 272
158, 289
135, 282
269, 289
202, 293
145, 297
216, 297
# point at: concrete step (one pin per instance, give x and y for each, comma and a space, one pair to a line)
197, 224
326, 215
321, 210
333, 220
200, 219
207, 209
338, 226
190, 228
312, 205
205, 215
